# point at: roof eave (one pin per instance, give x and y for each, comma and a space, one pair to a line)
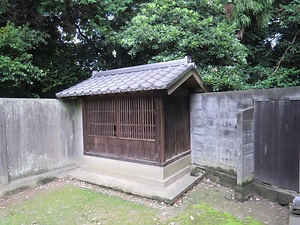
172, 87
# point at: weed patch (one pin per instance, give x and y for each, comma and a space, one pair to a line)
71, 204
46, 180
17, 190
203, 214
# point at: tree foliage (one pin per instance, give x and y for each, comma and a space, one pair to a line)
171, 29
17, 69
274, 49
46, 46
208, 31
252, 12
80, 36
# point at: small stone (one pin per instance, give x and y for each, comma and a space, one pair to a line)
94, 219
192, 218
228, 196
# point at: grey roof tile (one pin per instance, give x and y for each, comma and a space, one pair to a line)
146, 77
160, 84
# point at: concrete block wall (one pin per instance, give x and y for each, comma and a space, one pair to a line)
222, 128
38, 135
245, 143
214, 128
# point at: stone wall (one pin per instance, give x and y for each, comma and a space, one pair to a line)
214, 128
38, 135
222, 128
245, 143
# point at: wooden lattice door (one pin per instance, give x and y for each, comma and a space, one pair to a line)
123, 128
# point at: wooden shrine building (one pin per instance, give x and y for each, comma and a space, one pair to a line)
136, 120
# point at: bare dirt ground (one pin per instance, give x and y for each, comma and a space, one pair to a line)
214, 195
222, 199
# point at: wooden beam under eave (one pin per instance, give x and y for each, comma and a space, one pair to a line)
183, 79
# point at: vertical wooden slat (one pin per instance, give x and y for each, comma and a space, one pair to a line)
96, 117
138, 118
145, 124
152, 119
129, 120
147, 119
107, 125
276, 146
145, 114
141, 118
142, 110
296, 146
92, 118
121, 117
135, 119
85, 125
127, 132
118, 102
142, 127
124, 119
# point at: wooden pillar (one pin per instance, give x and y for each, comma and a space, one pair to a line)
160, 129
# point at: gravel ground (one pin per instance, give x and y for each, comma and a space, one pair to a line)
214, 195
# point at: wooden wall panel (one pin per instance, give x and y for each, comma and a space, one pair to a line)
277, 143
124, 128
177, 126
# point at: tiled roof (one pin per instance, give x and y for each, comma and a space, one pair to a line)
155, 76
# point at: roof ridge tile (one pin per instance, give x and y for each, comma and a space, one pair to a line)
153, 66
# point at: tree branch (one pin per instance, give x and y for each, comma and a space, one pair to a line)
81, 33
283, 55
